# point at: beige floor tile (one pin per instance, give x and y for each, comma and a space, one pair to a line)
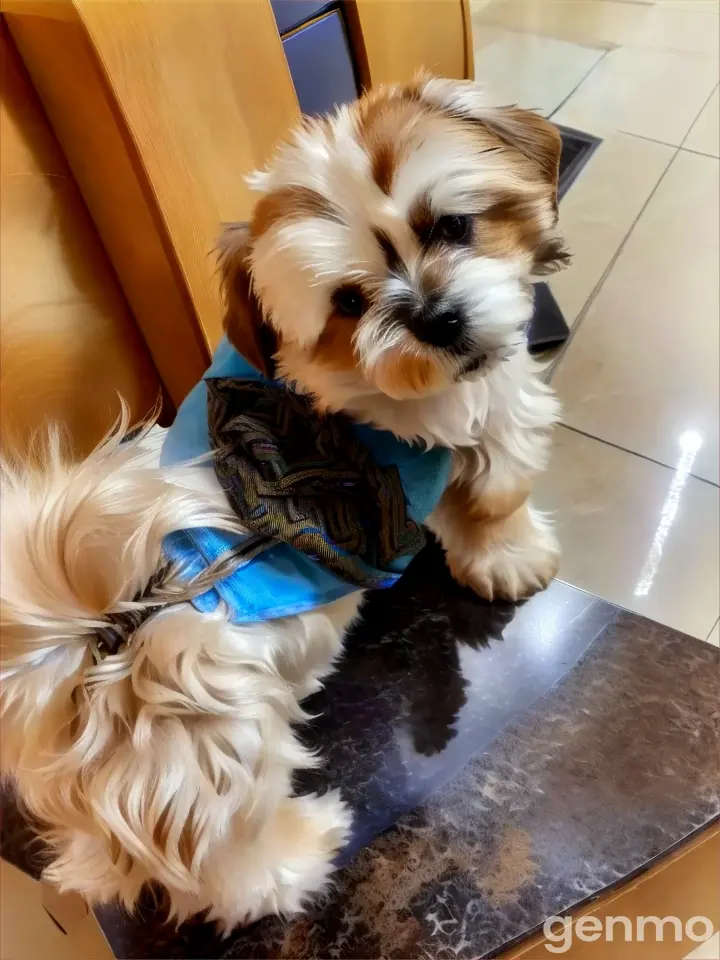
477, 5
536, 72
676, 28
599, 23
599, 210
714, 638
650, 93
696, 6
642, 370
704, 134
634, 532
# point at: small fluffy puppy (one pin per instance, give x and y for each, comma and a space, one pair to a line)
385, 273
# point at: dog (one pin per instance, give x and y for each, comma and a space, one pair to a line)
384, 276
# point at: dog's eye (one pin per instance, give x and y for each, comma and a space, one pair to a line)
350, 302
453, 229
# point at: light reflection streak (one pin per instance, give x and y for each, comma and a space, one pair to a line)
690, 443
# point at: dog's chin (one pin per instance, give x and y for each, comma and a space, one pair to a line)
402, 375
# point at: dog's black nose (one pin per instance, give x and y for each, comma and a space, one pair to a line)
441, 328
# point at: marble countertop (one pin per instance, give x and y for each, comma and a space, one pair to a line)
505, 764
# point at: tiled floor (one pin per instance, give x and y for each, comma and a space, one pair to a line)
634, 478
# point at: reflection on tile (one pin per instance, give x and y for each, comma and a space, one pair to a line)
536, 72
642, 370
675, 28
704, 136
634, 532
600, 23
651, 93
714, 635
598, 212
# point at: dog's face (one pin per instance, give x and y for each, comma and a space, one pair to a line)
393, 243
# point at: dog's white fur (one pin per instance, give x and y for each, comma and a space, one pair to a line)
172, 761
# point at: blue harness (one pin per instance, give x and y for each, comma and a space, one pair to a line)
277, 580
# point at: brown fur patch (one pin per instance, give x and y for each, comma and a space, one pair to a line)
334, 347
403, 375
246, 329
382, 165
384, 124
508, 236
481, 525
532, 135
513, 226
392, 257
550, 256
488, 507
421, 217
290, 203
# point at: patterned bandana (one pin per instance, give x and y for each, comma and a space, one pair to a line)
307, 480
329, 505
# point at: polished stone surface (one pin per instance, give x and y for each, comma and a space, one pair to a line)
529, 758
430, 678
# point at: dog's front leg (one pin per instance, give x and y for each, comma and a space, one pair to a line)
494, 541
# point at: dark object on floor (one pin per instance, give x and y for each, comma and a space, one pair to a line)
548, 329
577, 149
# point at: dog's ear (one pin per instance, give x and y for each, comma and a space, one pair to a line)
525, 131
529, 133
533, 135
247, 330
540, 141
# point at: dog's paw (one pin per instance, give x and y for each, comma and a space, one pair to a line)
279, 869
513, 569
311, 830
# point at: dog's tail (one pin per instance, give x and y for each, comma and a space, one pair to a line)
137, 762
81, 541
